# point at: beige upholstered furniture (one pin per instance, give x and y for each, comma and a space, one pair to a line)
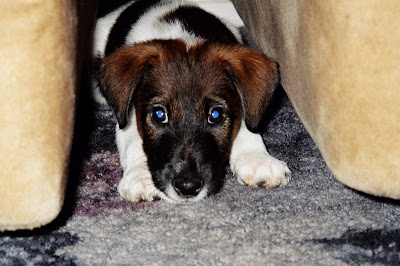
40, 64
340, 66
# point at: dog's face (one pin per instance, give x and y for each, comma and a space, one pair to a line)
189, 103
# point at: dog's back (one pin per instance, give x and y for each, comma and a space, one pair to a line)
144, 20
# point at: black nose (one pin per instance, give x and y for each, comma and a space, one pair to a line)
188, 187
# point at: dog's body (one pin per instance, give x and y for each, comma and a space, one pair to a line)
185, 91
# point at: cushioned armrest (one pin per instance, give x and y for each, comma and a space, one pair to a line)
340, 66
37, 102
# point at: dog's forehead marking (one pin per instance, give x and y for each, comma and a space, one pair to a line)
187, 74
192, 93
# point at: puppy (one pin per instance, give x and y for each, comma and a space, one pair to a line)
187, 95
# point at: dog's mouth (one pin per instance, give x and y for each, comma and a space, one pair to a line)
190, 180
170, 195
186, 183
184, 191
174, 196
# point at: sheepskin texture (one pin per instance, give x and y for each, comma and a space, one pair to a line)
340, 68
37, 104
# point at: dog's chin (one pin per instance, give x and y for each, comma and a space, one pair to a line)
171, 196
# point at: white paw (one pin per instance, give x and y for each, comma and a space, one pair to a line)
137, 186
260, 170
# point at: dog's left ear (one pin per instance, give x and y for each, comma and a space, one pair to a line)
120, 73
255, 77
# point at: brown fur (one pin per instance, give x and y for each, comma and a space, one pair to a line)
187, 148
123, 70
178, 79
252, 74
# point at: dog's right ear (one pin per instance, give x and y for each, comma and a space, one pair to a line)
254, 76
120, 73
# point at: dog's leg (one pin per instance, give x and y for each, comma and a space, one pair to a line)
96, 94
253, 165
136, 183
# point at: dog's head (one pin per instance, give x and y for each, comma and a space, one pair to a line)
189, 103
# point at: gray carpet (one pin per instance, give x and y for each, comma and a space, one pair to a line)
314, 220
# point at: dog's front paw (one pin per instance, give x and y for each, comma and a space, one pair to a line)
138, 186
260, 170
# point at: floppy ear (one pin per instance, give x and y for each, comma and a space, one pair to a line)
121, 73
255, 77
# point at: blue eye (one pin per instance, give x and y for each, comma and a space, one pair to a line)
160, 115
215, 115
